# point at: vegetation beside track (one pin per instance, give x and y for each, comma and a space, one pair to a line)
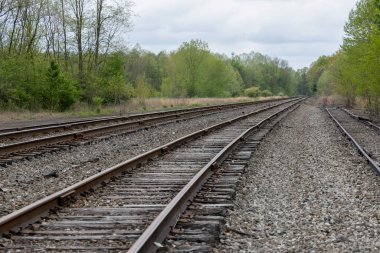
353, 71
56, 55
132, 106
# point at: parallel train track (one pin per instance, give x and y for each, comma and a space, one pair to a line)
142, 198
364, 134
17, 132
17, 145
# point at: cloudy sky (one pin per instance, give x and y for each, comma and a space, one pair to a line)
295, 30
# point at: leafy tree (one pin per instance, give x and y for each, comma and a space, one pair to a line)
191, 56
59, 93
315, 71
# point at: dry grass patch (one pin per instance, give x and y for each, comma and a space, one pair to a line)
333, 100
336, 100
133, 106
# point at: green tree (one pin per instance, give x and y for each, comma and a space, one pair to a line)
315, 72
59, 92
190, 57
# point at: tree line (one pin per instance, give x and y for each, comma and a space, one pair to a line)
353, 71
55, 53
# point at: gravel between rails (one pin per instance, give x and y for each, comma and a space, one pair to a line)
26, 181
306, 190
7, 141
366, 136
362, 113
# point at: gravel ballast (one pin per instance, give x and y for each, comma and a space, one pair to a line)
306, 190
26, 181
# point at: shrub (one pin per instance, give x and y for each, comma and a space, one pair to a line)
252, 92
58, 92
96, 102
266, 93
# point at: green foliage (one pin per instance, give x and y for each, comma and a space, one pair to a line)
191, 71
96, 103
252, 92
315, 72
168, 88
191, 57
266, 93
268, 73
58, 92
26, 85
55, 55
301, 82
353, 71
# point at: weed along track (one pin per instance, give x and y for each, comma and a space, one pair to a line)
133, 205
22, 143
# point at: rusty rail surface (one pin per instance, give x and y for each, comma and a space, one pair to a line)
47, 125
34, 211
362, 119
161, 226
26, 131
356, 144
62, 138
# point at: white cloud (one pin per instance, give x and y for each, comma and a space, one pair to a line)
296, 30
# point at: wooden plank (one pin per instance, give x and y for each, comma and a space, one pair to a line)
76, 237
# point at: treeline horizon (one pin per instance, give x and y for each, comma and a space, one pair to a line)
353, 72
55, 53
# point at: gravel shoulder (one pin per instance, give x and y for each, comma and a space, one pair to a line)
306, 190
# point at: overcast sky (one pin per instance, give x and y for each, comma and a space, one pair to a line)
295, 30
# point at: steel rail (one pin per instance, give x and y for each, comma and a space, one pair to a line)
372, 162
365, 120
34, 211
25, 145
160, 227
21, 132
23, 128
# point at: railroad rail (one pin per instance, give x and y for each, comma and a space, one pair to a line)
365, 141
112, 217
363, 119
53, 124
18, 132
198, 227
20, 150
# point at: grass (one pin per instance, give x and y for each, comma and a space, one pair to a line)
132, 106
333, 100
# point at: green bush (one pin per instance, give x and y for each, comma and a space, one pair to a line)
59, 93
96, 103
266, 93
252, 92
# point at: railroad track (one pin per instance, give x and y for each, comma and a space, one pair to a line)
364, 135
366, 121
34, 146
6, 130
19, 132
141, 198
